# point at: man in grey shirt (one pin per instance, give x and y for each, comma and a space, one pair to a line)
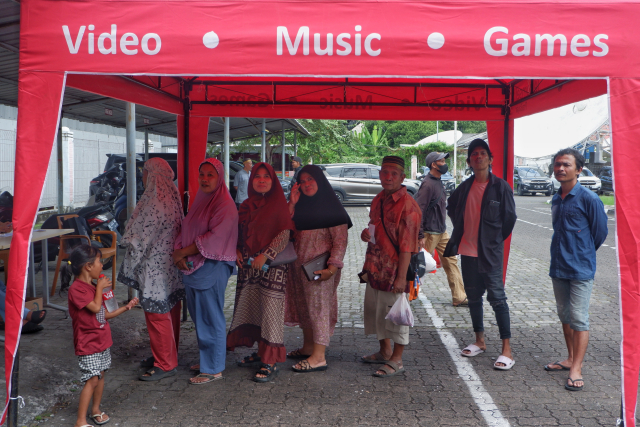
432, 199
241, 182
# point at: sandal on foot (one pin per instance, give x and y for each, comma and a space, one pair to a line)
249, 361
473, 350
573, 387
374, 358
148, 362
38, 316
297, 355
305, 367
395, 370
270, 371
507, 362
30, 328
209, 378
464, 303
549, 367
101, 416
156, 374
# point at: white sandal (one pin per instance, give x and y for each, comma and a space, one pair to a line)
473, 349
508, 363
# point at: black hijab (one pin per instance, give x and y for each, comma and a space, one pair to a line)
322, 210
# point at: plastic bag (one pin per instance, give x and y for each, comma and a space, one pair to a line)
400, 313
430, 262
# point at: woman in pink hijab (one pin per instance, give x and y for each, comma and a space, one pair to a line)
205, 252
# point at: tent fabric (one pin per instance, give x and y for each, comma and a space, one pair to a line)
625, 125
493, 61
37, 92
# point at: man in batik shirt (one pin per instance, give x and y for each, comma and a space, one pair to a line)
395, 220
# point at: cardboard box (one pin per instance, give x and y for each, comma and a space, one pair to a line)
33, 304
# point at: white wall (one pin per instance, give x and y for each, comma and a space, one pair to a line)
89, 144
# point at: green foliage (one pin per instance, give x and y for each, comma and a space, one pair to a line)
375, 137
410, 132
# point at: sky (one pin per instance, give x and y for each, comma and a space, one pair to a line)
547, 132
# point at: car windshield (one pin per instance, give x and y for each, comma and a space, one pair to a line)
586, 172
530, 173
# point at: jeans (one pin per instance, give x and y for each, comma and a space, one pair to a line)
572, 300
3, 296
475, 284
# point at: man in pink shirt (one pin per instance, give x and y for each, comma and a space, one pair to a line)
482, 210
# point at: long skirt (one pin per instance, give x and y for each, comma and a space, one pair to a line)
258, 315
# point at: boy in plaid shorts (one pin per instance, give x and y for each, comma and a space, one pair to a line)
91, 332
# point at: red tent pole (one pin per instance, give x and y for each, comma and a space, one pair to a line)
185, 147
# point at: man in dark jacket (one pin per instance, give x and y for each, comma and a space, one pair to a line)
432, 199
483, 213
296, 165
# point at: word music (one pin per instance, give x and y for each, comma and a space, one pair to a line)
579, 45
343, 40
107, 42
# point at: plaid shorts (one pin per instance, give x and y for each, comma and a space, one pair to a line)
92, 365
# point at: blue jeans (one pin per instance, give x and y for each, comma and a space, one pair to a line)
3, 296
572, 300
475, 284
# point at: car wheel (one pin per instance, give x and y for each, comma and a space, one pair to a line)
520, 192
548, 193
339, 196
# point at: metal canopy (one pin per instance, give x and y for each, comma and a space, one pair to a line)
89, 107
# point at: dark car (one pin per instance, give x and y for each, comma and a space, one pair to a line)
606, 177
355, 182
531, 180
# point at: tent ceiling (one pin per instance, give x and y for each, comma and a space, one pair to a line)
89, 107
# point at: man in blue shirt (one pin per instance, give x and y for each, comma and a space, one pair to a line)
241, 182
579, 228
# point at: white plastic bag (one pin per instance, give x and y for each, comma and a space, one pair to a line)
429, 261
400, 313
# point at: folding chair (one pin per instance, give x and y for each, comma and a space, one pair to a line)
65, 251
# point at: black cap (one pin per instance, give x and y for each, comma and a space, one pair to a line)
479, 142
434, 157
296, 159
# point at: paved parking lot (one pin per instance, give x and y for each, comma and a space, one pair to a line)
438, 388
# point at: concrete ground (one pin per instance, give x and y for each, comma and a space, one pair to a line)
439, 387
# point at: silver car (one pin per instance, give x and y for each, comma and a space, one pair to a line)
587, 179
359, 182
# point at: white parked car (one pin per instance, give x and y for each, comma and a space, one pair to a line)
587, 179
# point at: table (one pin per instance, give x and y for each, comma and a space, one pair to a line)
39, 236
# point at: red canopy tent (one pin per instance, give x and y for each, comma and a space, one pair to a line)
494, 60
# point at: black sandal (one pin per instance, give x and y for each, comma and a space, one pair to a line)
149, 362
253, 360
270, 371
37, 316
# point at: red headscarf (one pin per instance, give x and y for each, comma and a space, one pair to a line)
264, 216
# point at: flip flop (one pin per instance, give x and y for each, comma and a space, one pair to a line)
210, 378
296, 355
504, 359
93, 418
388, 372
573, 387
38, 316
30, 328
550, 369
374, 358
305, 367
473, 349
156, 374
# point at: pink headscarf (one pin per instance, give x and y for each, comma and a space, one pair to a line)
212, 223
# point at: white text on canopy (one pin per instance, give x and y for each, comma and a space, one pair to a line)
129, 42
343, 40
579, 44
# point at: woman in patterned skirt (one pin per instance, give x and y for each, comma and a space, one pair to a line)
264, 230
148, 267
321, 227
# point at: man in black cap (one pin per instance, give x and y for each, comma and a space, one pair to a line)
296, 164
432, 199
394, 219
483, 213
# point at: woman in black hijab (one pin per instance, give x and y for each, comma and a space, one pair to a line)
321, 228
